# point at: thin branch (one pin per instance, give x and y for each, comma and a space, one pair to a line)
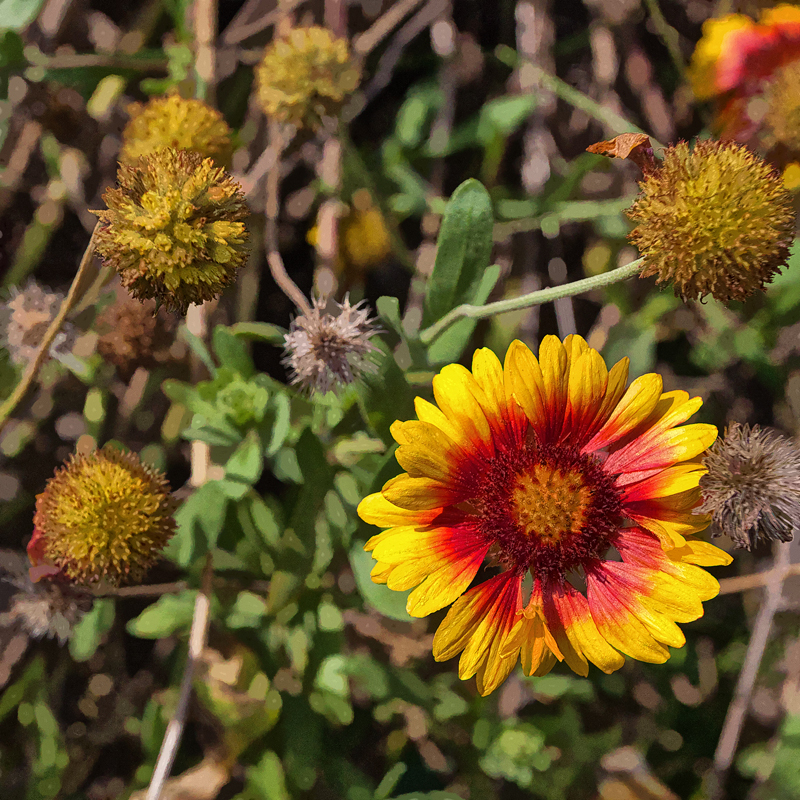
668, 34
198, 636
737, 711
527, 300
743, 583
151, 590
383, 26
28, 379
274, 260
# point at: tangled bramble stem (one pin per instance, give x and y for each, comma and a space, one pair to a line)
527, 300
67, 304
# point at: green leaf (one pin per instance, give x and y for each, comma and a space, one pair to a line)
448, 347
246, 463
200, 520
198, 347
390, 603
262, 331
18, 14
89, 632
170, 613
266, 780
231, 352
281, 425
385, 396
463, 252
389, 311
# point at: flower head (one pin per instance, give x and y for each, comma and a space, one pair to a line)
752, 489
325, 351
25, 318
363, 236
306, 75
173, 121
174, 228
783, 110
553, 468
102, 517
132, 334
714, 219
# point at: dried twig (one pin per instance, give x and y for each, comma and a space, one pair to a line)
742, 583
197, 643
737, 711
274, 260
28, 379
383, 26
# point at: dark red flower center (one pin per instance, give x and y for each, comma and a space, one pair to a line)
547, 508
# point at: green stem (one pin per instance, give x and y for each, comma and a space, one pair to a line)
527, 300
67, 304
668, 34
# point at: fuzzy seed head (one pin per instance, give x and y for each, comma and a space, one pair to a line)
715, 220
306, 75
752, 488
174, 228
182, 124
133, 334
783, 113
24, 320
328, 351
103, 517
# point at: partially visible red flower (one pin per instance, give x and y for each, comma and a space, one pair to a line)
735, 63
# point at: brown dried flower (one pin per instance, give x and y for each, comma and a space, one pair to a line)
752, 488
327, 351
25, 318
132, 334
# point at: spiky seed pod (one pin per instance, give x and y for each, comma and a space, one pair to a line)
306, 75
327, 351
132, 334
103, 517
783, 110
25, 318
714, 219
752, 488
176, 122
174, 228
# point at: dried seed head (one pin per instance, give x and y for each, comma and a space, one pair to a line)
752, 489
173, 229
326, 351
104, 516
783, 112
713, 220
306, 75
24, 320
173, 121
133, 334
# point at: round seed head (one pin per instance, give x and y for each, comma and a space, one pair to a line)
715, 220
174, 228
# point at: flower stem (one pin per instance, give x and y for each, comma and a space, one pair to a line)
67, 304
527, 300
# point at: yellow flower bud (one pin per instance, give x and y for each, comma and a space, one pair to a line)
173, 121
306, 75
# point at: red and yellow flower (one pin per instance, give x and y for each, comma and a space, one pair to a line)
737, 62
555, 469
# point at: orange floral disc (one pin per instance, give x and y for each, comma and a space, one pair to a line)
550, 468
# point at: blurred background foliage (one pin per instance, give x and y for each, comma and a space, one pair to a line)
315, 682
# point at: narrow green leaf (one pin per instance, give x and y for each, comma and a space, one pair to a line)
170, 613
89, 632
463, 252
262, 331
